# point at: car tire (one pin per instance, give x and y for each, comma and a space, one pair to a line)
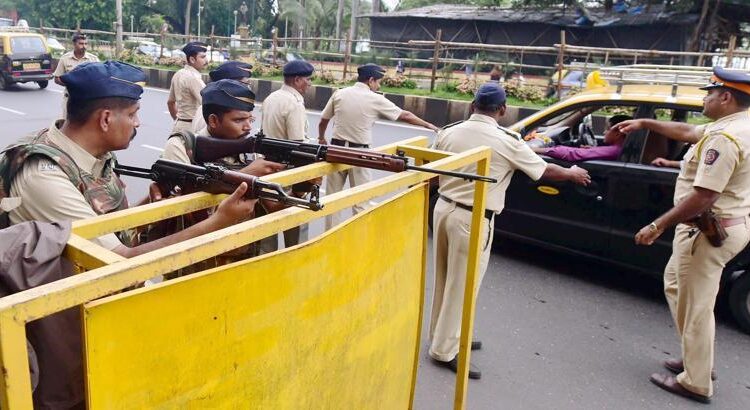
43, 84
3, 82
739, 301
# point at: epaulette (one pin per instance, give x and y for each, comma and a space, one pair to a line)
510, 132
452, 124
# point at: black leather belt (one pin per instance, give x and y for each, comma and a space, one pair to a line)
487, 213
184, 120
343, 143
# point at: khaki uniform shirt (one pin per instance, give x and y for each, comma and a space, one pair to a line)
199, 123
69, 61
284, 115
720, 162
356, 108
48, 195
185, 91
509, 153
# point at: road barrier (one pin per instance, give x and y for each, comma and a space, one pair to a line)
331, 323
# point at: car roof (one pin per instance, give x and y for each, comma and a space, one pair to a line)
636, 93
20, 34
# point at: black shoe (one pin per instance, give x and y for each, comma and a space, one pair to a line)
474, 372
476, 345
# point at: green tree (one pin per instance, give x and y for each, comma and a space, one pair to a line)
152, 23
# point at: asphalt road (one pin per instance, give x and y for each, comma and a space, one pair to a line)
558, 333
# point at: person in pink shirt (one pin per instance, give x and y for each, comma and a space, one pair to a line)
613, 140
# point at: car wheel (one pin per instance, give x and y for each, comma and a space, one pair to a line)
3, 83
43, 84
739, 301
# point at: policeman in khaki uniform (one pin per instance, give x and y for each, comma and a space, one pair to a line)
66, 172
354, 110
284, 117
70, 60
452, 214
715, 176
230, 70
185, 90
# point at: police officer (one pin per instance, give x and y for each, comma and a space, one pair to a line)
355, 110
187, 83
227, 111
70, 60
230, 70
715, 175
452, 214
66, 172
284, 117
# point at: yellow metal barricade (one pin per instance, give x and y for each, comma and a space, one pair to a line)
331, 323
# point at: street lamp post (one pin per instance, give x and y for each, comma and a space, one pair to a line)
235, 21
131, 24
200, 8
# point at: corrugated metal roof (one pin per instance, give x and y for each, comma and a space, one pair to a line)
558, 16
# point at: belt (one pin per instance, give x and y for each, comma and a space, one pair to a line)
726, 222
487, 213
184, 120
344, 143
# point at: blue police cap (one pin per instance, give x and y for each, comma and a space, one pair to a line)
490, 93
90, 81
298, 68
194, 47
234, 70
229, 93
371, 70
738, 80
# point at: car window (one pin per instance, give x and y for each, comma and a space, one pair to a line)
658, 146
27, 45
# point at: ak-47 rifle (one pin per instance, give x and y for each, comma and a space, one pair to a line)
301, 153
214, 179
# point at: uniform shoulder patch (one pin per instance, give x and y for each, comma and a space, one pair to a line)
711, 156
45, 166
453, 124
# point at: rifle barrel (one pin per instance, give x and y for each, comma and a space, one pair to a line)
469, 177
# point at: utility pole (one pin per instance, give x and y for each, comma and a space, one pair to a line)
118, 29
200, 8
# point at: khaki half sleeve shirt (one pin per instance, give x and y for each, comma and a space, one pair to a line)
185, 91
720, 162
68, 62
284, 115
48, 195
355, 109
508, 154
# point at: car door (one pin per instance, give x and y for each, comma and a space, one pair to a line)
560, 214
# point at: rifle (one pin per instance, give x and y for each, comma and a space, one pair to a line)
214, 179
295, 153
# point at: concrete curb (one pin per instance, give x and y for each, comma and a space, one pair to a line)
437, 111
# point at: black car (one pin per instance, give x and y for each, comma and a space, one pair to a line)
600, 221
23, 58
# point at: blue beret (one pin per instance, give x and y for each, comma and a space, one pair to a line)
371, 70
722, 77
490, 93
234, 70
89, 81
298, 68
229, 93
194, 47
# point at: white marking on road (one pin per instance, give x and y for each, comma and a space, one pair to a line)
13, 111
55, 91
160, 90
166, 112
152, 147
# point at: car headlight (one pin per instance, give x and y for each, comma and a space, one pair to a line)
45, 62
16, 63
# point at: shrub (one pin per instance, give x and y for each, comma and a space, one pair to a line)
398, 81
467, 86
325, 76
517, 89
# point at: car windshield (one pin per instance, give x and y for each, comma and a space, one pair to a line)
27, 45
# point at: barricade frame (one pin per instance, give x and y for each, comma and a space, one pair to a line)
107, 272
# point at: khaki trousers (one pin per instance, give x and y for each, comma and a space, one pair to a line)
335, 183
182, 126
451, 253
691, 283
